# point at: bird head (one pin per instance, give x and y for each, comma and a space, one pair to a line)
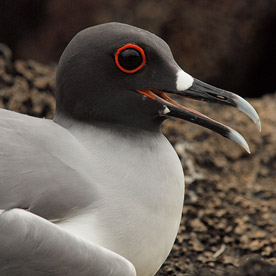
121, 75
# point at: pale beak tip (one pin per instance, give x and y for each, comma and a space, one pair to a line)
248, 109
238, 138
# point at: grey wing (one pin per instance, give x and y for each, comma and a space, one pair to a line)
33, 246
41, 167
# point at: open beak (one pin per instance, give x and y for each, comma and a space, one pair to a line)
205, 92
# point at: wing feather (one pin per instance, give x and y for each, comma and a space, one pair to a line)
33, 246
41, 167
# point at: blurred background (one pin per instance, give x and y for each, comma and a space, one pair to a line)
230, 44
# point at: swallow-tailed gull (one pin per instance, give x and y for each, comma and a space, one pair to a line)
99, 190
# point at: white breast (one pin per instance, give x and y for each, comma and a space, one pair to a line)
141, 191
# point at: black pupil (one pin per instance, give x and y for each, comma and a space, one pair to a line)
130, 59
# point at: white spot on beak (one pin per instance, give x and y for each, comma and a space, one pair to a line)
166, 110
183, 80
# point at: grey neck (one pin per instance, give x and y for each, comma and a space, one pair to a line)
123, 129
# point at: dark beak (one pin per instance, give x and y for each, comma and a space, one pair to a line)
205, 92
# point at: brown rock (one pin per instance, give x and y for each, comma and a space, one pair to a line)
198, 225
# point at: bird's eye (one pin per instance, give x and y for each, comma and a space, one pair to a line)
130, 58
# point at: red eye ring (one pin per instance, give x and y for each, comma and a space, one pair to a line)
135, 47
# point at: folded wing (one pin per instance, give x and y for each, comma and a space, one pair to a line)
33, 246
42, 167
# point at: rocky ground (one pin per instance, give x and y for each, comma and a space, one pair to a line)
229, 217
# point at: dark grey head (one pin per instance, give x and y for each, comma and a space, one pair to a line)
118, 74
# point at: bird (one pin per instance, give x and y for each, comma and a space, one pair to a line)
99, 190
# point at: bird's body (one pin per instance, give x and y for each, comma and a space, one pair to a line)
138, 220
102, 187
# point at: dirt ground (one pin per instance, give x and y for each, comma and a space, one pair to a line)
229, 216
